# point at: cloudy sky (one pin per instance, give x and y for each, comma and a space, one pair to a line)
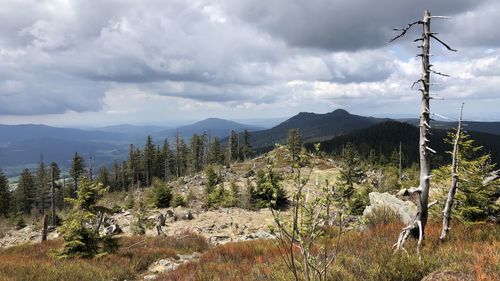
80, 62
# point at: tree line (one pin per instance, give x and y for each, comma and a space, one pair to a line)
45, 188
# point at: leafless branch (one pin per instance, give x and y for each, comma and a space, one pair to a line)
418, 81
440, 73
403, 31
441, 17
444, 44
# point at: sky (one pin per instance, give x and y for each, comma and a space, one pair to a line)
91, 63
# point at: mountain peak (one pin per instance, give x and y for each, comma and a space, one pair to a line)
340, 112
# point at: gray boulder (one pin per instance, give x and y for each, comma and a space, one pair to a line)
405, 209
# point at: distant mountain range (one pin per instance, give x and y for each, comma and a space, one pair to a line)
216, 127
22, 145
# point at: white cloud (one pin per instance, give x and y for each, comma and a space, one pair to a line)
137, 60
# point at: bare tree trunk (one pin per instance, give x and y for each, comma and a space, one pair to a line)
53, 196
454, 181
64, 190
400, 164
425, 166
45, 226
91, 169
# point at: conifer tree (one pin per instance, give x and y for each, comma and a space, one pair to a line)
166, 157
196, 150
351, 173
294, 142
5, 195
25, 192
80, 240
42, 187
234, 148
247, 147
148, 159
103, 176
180, 156
474, 201
77, 170
216, 155
116, 182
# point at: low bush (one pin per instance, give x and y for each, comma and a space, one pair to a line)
161, 194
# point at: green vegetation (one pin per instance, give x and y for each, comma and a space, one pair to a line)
474, 200
161, 194
79, 239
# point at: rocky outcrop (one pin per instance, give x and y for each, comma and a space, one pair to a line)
406, 210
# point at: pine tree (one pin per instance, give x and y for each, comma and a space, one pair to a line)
474, 201
294, 142
351, 173
24, 195
5, 195
234, 148
79, 239
116, 182
180, 156
148, 159
247, 147
196, 150
216, 155
42, 187
166, 157
77, 170
103, 176
54, 177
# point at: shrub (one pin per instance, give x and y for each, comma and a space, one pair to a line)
268, 191
178, 200
161, 194
129, 203
80, 239
138, 225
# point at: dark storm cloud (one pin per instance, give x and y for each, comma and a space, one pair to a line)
338, 24
60, 56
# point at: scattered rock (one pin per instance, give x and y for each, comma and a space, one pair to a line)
260, 234
405, 209
163, 265
113, 229
219, 239
188, 215
151, 277
448, 276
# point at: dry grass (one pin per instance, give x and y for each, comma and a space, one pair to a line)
36, 262
473, 250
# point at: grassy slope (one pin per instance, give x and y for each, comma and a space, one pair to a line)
472, 249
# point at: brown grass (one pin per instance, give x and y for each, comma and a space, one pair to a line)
472, 249
36, 262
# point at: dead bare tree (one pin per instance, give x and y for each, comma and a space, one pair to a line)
454, 181
53, 195
45, 226
417, 226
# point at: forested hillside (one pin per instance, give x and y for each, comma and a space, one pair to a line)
380, 143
